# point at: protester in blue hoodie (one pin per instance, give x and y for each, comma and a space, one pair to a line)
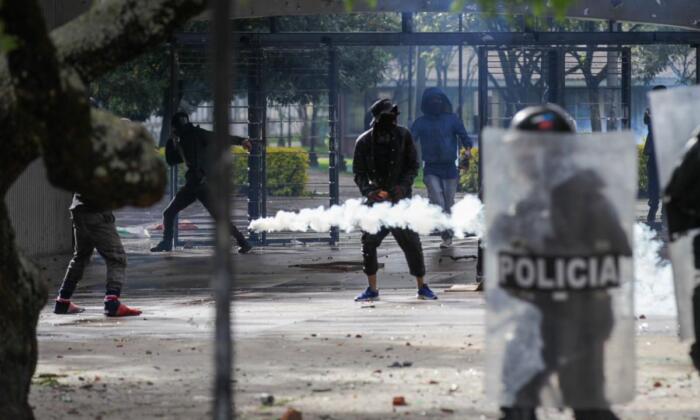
440, 133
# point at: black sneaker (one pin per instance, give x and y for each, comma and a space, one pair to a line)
245, 248
162, 247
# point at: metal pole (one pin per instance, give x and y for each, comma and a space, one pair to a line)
410, 84
626, 84
255, 120
333, 178
697, 64
263, 164
407, 27
461, 71
220, 186
170, 109
483, 109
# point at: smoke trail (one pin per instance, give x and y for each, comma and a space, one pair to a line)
653, 293
416, 214
654, 280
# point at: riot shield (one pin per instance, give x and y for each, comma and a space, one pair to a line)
675, 116
559, 271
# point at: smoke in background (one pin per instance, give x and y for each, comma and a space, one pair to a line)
654, 280
653, 293
416, 214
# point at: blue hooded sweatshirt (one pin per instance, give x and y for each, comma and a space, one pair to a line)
439, 133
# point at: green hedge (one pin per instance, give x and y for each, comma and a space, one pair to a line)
470, 180
287, 170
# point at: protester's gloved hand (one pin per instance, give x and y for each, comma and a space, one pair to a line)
398, 193
247, 145
377, 196
464, 162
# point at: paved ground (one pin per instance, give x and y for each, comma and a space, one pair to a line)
299, 337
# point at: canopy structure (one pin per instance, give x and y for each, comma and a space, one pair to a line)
680, 13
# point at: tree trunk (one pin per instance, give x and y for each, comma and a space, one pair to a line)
43, 109
304, 117
289, 125
22, 295
280, 116
594, 105
421, 76
612, 82
313, 157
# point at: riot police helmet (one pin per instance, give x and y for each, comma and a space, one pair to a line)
547, 117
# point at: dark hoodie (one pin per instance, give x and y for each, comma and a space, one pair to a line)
440, 133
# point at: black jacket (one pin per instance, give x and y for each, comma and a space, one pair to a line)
403, 165
682, 195
193, 151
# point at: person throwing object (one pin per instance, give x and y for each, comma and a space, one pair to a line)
385, 165
188, 144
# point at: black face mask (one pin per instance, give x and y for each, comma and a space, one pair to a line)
434, 107
386, 122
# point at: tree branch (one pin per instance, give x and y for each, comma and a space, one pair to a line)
113, 32
126, 169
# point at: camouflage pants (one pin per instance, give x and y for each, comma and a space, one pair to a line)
93, 230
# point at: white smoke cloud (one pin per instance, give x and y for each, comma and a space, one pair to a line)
653, 290
654, 277
415, 213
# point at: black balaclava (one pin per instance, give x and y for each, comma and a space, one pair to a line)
386, 122
179, 121
385, 115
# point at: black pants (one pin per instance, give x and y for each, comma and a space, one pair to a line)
95, 230
574, 333
408, 240
185, 196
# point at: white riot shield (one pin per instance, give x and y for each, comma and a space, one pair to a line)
675, 114
559, 272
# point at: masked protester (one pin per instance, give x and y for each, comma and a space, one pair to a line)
385, 165
188, 145
652, 167
440, 134
559, 250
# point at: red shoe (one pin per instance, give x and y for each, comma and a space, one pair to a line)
114, 308
66, 307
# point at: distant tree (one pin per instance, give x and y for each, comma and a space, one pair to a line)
651, 60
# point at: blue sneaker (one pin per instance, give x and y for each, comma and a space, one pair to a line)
425, 293
368, 295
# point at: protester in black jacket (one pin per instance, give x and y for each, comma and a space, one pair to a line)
188, 145
385, 165
653, 187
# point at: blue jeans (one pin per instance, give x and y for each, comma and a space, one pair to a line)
441, 192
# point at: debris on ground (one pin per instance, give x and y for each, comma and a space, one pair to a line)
267, 399
291, 414
399, 400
